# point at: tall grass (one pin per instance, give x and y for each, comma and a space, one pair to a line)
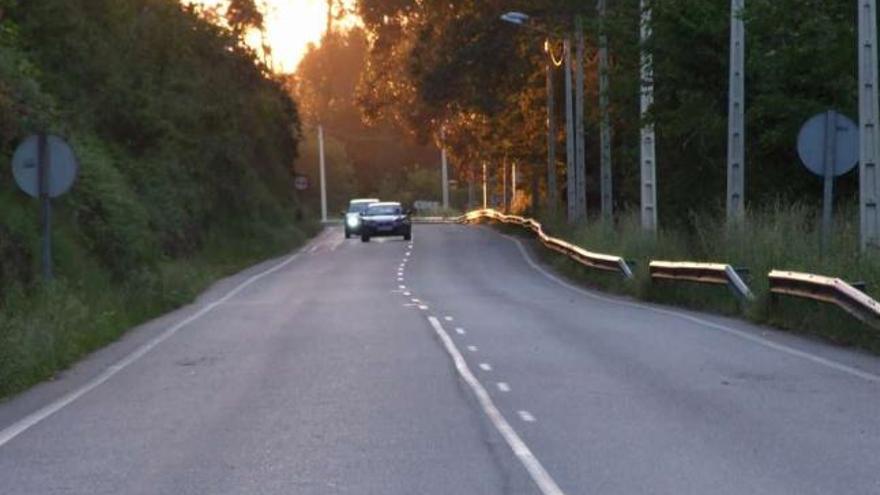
781, 236
48, 327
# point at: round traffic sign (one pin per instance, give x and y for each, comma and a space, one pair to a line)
301, 182
840, 143
61, 161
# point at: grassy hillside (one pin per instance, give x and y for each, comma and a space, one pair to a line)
186, 145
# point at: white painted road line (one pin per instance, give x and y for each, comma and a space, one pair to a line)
503, 386
400, 279
485, 366
522, 452
447, 318
407, 293
472, 348
460, 331
415, 300
526, 416
31, 420
828, 363
423, 307
401, 287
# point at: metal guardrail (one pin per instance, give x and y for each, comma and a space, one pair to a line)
598, 261
703, 273
828, 290
803, 285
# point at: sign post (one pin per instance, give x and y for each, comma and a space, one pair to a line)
44, 167
828, 146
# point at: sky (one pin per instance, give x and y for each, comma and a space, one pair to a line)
290, 26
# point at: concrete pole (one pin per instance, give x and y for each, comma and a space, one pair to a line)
869, 133
444, 170
736, 150
485, 188
470, 193
322, 173
580, 152
512, 184
570, 177
551, 137
605, 119
648, 137
504, 184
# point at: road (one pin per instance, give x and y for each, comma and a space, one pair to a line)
455, 364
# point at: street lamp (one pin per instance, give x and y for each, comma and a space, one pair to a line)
521, 19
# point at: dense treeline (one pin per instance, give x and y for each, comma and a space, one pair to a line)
456, 64
186, 144
364, 157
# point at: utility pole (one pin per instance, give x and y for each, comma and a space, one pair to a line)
504, 184
736, 150
470, 193
605, 119
485, 188
579, 154
322, 173
648, 138
570, 176
869, 133
551, 134
512, 184
444, 170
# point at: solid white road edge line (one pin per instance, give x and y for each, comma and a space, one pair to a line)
828, 363
522, 452
31, 420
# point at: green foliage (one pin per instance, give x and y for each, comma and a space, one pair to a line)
186, 146
783, 237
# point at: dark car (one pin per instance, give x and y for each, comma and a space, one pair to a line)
356, 207
385, 219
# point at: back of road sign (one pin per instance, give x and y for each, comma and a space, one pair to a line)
62, 162
843, 140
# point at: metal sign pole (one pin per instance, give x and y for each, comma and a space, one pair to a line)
43, 163
648, 150
869, 133
828, 163
736, 115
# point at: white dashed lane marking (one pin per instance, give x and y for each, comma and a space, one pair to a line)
526, 416
460, 331
472, 348
447, 318
503, 386
485, 366
407, 293
423, 307
546, 484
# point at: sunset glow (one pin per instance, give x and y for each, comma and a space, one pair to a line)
290, 26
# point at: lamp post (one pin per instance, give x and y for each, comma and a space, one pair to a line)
572, 160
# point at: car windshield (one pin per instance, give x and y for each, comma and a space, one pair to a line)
383, 210
358, 207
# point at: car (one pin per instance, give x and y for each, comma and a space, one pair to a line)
353, 216
385, 219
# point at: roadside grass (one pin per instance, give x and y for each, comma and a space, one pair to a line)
784, 237
47, 328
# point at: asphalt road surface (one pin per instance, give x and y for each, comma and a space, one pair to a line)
453, 365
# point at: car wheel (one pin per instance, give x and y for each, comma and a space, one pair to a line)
407, 236
347, 234
365, 238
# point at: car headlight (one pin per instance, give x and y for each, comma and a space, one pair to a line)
352, 220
